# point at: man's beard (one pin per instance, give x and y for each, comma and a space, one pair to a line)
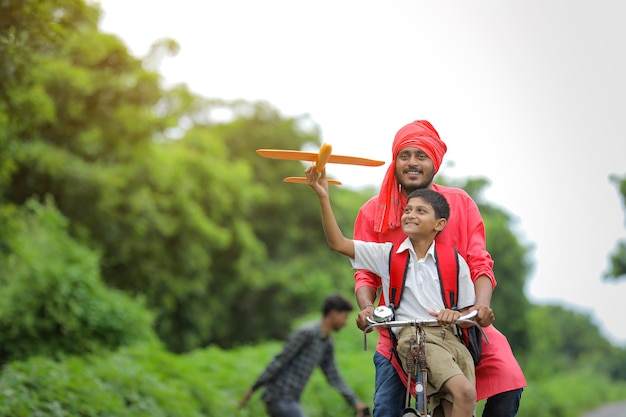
412, 186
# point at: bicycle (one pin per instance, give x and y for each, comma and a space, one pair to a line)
416, 359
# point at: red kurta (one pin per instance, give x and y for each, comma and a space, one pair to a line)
498, 370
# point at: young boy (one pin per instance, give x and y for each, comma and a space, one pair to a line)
451, 380
310, 346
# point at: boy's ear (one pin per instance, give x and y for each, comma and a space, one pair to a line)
440, 224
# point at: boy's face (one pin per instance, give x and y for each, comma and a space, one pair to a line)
419, 219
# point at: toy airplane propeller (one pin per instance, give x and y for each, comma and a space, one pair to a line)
320, 158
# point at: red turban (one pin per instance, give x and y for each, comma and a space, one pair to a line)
419, 134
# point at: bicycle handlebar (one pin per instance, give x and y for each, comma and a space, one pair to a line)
466, 319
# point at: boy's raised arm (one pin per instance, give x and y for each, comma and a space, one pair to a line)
335, 238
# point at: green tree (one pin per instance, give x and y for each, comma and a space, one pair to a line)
176, 230
572, 341
299, 269
30, 32
618, 257
53, 301
78, 111
260, 125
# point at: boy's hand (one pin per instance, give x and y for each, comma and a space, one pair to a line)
446, 316
317, 181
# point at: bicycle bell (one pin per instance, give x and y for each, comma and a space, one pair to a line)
382, 314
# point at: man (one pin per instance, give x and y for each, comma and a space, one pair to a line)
311, 345
450, 374
417, 154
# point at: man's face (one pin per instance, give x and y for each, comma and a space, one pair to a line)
339, 319
414, 169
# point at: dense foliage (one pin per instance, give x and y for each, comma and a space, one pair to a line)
618, 257
53, 302
148, 255
148, 381
180, 216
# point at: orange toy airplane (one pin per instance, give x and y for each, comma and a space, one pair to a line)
320, 159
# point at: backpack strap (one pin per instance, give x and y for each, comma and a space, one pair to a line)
448, 269
398, 267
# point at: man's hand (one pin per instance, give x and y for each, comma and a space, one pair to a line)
361, 318
485, 316
362, 410
366, 299
245, 398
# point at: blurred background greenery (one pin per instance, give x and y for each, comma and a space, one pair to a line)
151, 263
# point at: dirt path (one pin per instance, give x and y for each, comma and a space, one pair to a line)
611, 410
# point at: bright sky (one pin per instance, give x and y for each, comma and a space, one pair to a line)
530, 95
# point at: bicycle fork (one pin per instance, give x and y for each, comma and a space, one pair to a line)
416, 365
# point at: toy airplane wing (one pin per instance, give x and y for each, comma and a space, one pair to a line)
320, 159
313, 157
303, 180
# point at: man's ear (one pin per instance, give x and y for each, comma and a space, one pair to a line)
440, 224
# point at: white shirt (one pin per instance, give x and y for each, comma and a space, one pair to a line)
422, 290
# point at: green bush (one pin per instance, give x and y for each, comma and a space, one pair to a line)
53, 302
146, 380
570, 394
139, 381
114, 385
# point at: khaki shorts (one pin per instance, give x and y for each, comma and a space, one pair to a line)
445, 358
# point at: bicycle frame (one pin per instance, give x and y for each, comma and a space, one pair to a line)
416, 359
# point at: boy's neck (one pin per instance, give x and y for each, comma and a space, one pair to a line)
421, 246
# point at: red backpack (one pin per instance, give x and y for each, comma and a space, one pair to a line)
448, 269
